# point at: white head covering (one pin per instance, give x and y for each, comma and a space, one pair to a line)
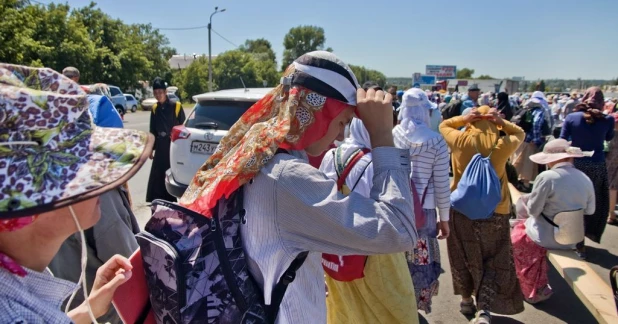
414, 116
484, 99
539, 97
359, 138
415, 106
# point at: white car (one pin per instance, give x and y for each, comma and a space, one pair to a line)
209, 121
131, 103
148, 103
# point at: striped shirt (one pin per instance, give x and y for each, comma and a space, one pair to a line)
429, 163
293, 207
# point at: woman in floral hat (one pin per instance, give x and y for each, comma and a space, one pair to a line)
53, 166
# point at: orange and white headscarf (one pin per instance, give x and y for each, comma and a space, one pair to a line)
314, 90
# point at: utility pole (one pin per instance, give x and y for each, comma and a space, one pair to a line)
210, 49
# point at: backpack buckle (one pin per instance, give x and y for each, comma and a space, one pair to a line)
288, 277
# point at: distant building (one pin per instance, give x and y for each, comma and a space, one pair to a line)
494, 85
183, 61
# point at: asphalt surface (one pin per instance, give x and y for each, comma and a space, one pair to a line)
563, 307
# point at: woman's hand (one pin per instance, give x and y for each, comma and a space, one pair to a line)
443, 230
495, 117
109, 277
472, 117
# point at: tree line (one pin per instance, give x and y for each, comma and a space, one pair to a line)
110, 51
102, 48
254, 64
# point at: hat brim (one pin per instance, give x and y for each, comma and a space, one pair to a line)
545, 158
42, 180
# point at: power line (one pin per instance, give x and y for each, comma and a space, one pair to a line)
184, 28
225, 39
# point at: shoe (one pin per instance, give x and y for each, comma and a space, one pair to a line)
581, 253
483, 317
468, 308
542, 295
612, 221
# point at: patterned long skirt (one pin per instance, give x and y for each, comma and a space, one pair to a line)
481, 258
530, 262
597, 172
527, 169
611, 158
424, 262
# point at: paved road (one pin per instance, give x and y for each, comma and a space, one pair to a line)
563, 307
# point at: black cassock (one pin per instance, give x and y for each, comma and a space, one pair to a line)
161, 122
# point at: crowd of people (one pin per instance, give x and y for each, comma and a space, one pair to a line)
383, 194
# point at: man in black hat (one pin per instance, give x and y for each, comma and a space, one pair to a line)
165, 114
473, 92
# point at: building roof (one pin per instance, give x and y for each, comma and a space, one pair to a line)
249, 94
184, 60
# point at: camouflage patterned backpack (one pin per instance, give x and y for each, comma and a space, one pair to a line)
196, 268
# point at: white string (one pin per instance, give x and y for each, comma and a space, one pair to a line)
82, 277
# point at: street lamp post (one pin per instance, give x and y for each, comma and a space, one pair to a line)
210, 49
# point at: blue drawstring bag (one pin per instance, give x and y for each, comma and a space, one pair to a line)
479, 192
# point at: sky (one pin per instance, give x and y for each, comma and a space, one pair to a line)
564, 39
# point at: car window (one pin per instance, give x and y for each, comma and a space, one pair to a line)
217, 114
130, 98
115, 91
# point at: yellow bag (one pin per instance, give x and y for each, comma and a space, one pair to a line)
384, 295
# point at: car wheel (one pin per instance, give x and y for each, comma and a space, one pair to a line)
134, 108
120, 110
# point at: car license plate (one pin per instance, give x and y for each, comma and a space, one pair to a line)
203, 147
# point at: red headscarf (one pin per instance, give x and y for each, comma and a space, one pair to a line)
290, 117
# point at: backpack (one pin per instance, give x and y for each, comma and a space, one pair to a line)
196, 268
524, 119
479, 191
173, 102
453, 109
351, 267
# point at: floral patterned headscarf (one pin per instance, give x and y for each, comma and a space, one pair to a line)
314, 90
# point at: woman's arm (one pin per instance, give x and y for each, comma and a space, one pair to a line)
313, 216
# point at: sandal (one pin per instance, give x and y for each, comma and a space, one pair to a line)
483, 317
467, 308
612, 221
542, 295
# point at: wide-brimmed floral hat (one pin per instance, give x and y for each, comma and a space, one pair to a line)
51, 154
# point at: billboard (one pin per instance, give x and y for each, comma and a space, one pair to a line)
420, 79
427, 79
442, 72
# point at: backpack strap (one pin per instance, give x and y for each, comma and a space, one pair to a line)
278, 292
492, 149
349, 165
178, 107
176, 103
286, 279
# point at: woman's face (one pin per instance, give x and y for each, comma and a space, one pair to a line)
60, 221
336, 131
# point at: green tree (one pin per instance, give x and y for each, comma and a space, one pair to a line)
363, 75
300, 40
542, 86
465, 73
231, 66
485, 77
261, 48
194, 79
102, 48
